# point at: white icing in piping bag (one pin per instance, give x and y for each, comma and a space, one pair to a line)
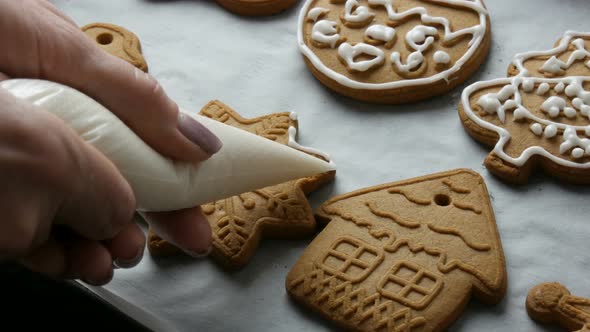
245, 162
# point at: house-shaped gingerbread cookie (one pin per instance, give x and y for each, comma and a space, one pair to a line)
404, 256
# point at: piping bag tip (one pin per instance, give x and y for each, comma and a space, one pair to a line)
245, 162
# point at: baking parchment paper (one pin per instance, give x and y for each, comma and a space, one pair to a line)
199, 52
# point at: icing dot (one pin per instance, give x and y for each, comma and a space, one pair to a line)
573, 89
315, 13
528, 85
569, 112
380, 32
293, 116
550, 131
441, 57
578, 153
543, 89
559, 87
519, 114
537, 129
553, 105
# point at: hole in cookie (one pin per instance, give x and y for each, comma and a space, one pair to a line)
104, 38
442, 200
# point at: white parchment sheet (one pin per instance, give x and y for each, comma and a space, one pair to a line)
200, 52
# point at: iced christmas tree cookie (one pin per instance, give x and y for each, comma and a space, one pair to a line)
405, 256
393, 51
539, 118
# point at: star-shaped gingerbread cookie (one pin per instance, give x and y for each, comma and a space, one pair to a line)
280, 211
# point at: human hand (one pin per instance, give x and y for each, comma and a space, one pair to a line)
52, 178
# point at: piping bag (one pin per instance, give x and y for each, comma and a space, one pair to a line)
246, 162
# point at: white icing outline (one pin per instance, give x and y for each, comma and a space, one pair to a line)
519, 59
478, 32
293, 142
505, 134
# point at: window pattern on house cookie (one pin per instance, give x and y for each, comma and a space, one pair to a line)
410, 284
351, 259
367, 35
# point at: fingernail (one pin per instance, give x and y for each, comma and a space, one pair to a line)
199, 254
127, 264
101, 282
198, 134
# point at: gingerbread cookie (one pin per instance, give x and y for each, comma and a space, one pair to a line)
540, 117
117, 41
553, 303
256, 7
404, 256
393, 51
280, 211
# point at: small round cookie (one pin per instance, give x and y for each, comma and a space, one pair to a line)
388, 51
117, 41
256, 7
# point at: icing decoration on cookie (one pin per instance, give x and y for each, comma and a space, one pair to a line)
316, 13
348, 53
325, 32
557, 61
555, 107
441, 57
293, 142
422, 38
380, 34
403, 256
548, 114
552, 303
356, 15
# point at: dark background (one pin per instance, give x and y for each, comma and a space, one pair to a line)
31, 300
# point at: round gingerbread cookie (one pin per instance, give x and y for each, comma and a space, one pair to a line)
256, 7
393, 51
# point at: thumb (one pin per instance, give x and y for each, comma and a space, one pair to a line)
59, 51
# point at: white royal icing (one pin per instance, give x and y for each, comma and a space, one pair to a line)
380, 32
316, 13
441, 57
537, 129
293, 142
477, 32
553, 65
348, 52
559, 87
543, 89
553, 105
325, 32
355, 13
